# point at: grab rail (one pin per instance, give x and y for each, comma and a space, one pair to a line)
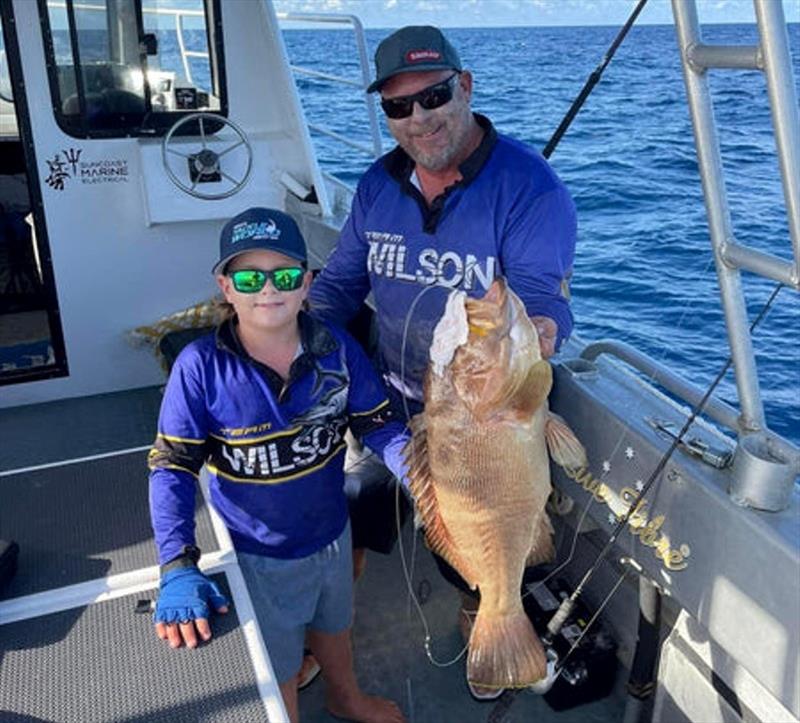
752, 485
717, 410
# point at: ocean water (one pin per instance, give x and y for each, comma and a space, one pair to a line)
643, 273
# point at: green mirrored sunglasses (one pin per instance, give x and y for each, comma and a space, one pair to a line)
251, 281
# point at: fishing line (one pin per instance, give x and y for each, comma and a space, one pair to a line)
591, 620
539, 583
403, 562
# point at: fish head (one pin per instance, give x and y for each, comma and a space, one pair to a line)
489, 350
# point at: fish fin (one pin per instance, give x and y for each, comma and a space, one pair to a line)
426, 503
533, 390
565, 448
505, 652
542, 549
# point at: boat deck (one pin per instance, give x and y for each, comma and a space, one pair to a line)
88, 520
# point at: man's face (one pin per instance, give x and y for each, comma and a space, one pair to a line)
436, 139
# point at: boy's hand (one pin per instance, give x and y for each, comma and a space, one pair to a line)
182, 609
394, 458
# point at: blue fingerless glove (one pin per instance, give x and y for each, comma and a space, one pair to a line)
185, 595
394, 460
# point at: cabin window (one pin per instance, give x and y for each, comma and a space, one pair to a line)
132, 67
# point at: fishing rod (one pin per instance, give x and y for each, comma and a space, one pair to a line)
591, 81
567, 605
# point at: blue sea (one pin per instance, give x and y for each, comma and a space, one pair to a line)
644, 272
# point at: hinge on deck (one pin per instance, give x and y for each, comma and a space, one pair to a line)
716, 457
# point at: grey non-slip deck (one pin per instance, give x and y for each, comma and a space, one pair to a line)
80, 522
104, 663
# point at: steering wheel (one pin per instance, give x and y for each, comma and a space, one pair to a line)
204, 162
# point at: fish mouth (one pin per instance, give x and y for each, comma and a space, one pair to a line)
490, 313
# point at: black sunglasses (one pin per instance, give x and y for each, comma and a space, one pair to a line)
434, 96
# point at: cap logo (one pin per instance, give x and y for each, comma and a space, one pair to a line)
418, 56
264, 230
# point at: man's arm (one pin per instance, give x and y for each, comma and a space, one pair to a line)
343, 283
538, 251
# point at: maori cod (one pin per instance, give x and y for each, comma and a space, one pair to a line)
479, 471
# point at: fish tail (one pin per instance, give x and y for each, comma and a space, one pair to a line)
505, 652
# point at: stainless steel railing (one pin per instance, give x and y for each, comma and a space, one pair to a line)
376, 149
772, 57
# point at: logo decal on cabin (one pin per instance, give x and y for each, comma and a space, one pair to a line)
419, 56
66, 165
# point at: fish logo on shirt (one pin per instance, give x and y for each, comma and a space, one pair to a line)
333, 403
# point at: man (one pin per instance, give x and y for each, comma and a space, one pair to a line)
452, 206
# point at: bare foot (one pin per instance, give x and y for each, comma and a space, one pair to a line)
366, 709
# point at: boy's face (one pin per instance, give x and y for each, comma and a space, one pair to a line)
267, 309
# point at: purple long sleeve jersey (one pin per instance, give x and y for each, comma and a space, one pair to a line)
274, 449
510, 216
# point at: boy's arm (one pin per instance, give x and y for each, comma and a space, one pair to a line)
175, 460
371, 418
186, 595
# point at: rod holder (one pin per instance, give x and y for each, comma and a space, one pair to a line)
761, 477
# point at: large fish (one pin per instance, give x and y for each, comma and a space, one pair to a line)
479, 472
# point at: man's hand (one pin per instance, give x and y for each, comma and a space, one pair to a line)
182, 609
547, 330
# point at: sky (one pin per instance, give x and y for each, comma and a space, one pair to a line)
483, 13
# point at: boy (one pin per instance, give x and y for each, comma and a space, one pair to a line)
264, 402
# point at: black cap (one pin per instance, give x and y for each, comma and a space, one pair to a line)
260, 229
414, 48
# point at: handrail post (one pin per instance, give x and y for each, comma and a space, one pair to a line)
719, 221
785, 116
372, 112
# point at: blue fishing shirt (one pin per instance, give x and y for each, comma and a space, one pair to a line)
274, 450
510, 216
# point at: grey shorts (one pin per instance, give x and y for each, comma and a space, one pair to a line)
289, 596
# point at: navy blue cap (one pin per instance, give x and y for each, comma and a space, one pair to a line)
260, 229
414, 48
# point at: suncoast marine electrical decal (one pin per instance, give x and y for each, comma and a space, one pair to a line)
71, 166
